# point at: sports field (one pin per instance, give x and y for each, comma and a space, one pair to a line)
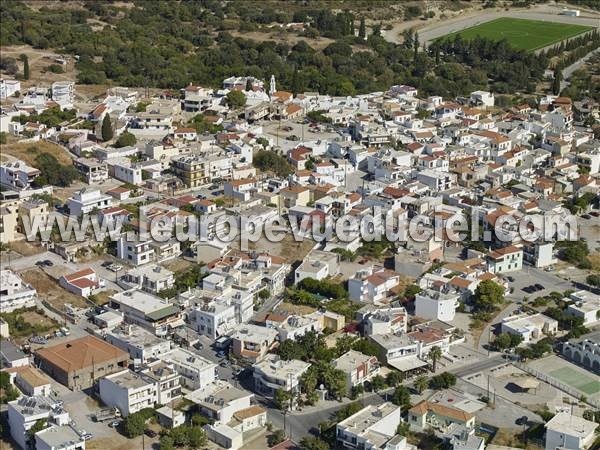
522, 34
577, 380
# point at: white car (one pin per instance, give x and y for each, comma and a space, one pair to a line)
115, 268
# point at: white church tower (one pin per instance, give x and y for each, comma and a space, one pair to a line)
272, 88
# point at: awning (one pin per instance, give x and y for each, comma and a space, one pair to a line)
407, 363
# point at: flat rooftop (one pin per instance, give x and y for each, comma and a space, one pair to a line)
128, 379
274, 367
350, 360
59, 436
571, 425
367, 417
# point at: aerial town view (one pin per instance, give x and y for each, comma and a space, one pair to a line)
299, 224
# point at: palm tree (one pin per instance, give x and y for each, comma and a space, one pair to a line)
435, 354
421, 384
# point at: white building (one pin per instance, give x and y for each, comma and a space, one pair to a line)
483, 98
8, 88
63, 437
24, 412
124, 170
384, 320
131, 391
272, 374
88, 200
430, 304
357, 367
293, 327
18, 175
147, 311
63, 93
214, 319
151, 278
83, 282
371, 285
505, 259
565, 431
530, 328
141, 344
370, 428
127, 391
584, 351
134, 252
318, 264
586, 306
14, 293
196, 372
220, 400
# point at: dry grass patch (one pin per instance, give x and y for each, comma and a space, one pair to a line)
28, 151
25, 248
50, 290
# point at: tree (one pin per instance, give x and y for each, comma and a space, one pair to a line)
556, 81
488, 295
362, 29
593, 279
401, 397
313, 443
277, 437
134, 425
3, 137
39, 425
107, 130
442, 381
126, 139
435, 354
166, 443
25, 60
235, 99
248, 85
394, 378
421, 384
282, 399
377, 383
196, 437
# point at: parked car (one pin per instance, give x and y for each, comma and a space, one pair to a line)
114, 424
48, 263
511, 279
586, 216
539, 287
150, 433
106, 263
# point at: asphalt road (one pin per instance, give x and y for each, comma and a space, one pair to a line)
478, 366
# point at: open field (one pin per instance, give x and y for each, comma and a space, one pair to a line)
522, 33
51, 290
28, 151
577, 380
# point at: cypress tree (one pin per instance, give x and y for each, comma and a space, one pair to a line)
107, 131
25, 67
556, 81
362, 29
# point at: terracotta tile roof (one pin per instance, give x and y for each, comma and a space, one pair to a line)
80, 353
442, 410
79, 274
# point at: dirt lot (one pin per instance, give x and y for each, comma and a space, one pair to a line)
28, 151
50, 290
25, 248
177, 265
39, 60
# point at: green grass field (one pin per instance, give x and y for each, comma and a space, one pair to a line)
577, 380
522, 34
